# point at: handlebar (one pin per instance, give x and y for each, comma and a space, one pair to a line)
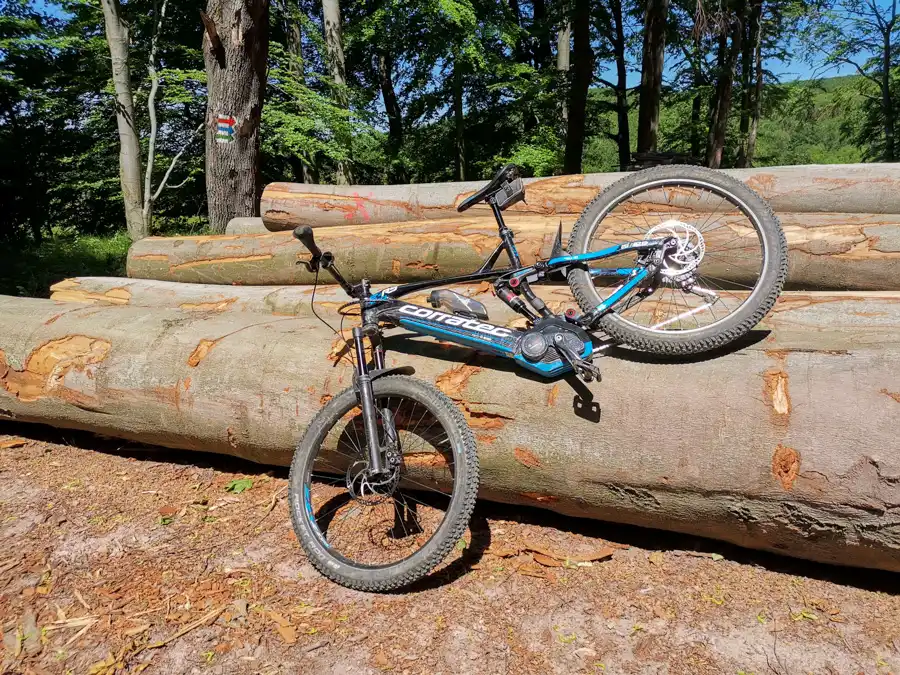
304, 234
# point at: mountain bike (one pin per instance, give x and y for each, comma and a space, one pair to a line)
670, 260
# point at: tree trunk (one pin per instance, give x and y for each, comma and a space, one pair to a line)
827, 251
563, 45
887, 101
623, 136
757, 101
651, 74
751, 45
849, 188
542, 33
719, 126
459, 120
582, 76
396, 174
129, 143
812, 409
331, 20
235, 48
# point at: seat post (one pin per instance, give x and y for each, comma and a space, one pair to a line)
506, 235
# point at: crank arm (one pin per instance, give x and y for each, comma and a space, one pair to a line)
584, 369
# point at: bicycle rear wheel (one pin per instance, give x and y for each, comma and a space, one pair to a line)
380, 533
730, 245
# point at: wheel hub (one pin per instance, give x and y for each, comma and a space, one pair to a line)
368, 487
687, 255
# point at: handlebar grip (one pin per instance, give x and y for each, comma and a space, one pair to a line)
304, 234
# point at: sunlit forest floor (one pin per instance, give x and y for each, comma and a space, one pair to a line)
121, 559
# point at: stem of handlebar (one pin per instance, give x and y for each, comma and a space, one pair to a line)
304, 235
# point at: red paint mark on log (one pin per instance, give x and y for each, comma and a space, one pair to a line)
200, 352
552, 395
539, 497
786, 465
487, 439
186, 383
325, 398
894, 395
527, 458
454, 381
419, 265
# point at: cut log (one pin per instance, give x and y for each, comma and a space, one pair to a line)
788, 445
273, 300
828, 251
850, 188
245, 226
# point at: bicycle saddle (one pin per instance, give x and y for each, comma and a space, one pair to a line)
505, 189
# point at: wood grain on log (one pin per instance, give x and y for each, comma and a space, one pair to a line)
853, 188
787, 445
828, 251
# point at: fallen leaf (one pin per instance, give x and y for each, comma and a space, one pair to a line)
168, 511
239, 485
12, 443
546, 560
602, 554
657, 558
288, 634
500, 552
530, 570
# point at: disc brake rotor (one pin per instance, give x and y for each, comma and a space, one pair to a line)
369, 488
687, 255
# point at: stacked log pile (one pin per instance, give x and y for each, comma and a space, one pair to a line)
808, 406
784, 442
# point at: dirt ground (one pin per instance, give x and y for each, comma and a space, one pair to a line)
120, 559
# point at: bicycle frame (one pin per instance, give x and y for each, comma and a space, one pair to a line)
385, 306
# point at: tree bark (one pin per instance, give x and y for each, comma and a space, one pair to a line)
235, 48
563, 48
396, 174
749, 106
582, 76
887, 101
331, 13
812, 409
129, 143
459, 119
719, 127
623, 135
826, 251
848, 188
540, 30
757, 101
651, 74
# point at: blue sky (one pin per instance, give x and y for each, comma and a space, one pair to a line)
795, 69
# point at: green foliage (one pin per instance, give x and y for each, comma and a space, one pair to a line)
60, 201
30, 269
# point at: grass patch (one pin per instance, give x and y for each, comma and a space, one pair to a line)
29, 270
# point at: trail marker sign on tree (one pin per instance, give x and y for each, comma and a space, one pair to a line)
225, 128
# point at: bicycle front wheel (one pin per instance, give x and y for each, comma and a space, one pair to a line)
724, 277
382, 532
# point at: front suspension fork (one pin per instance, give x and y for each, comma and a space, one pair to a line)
366, 394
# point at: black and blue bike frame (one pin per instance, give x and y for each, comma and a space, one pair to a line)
511, 284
